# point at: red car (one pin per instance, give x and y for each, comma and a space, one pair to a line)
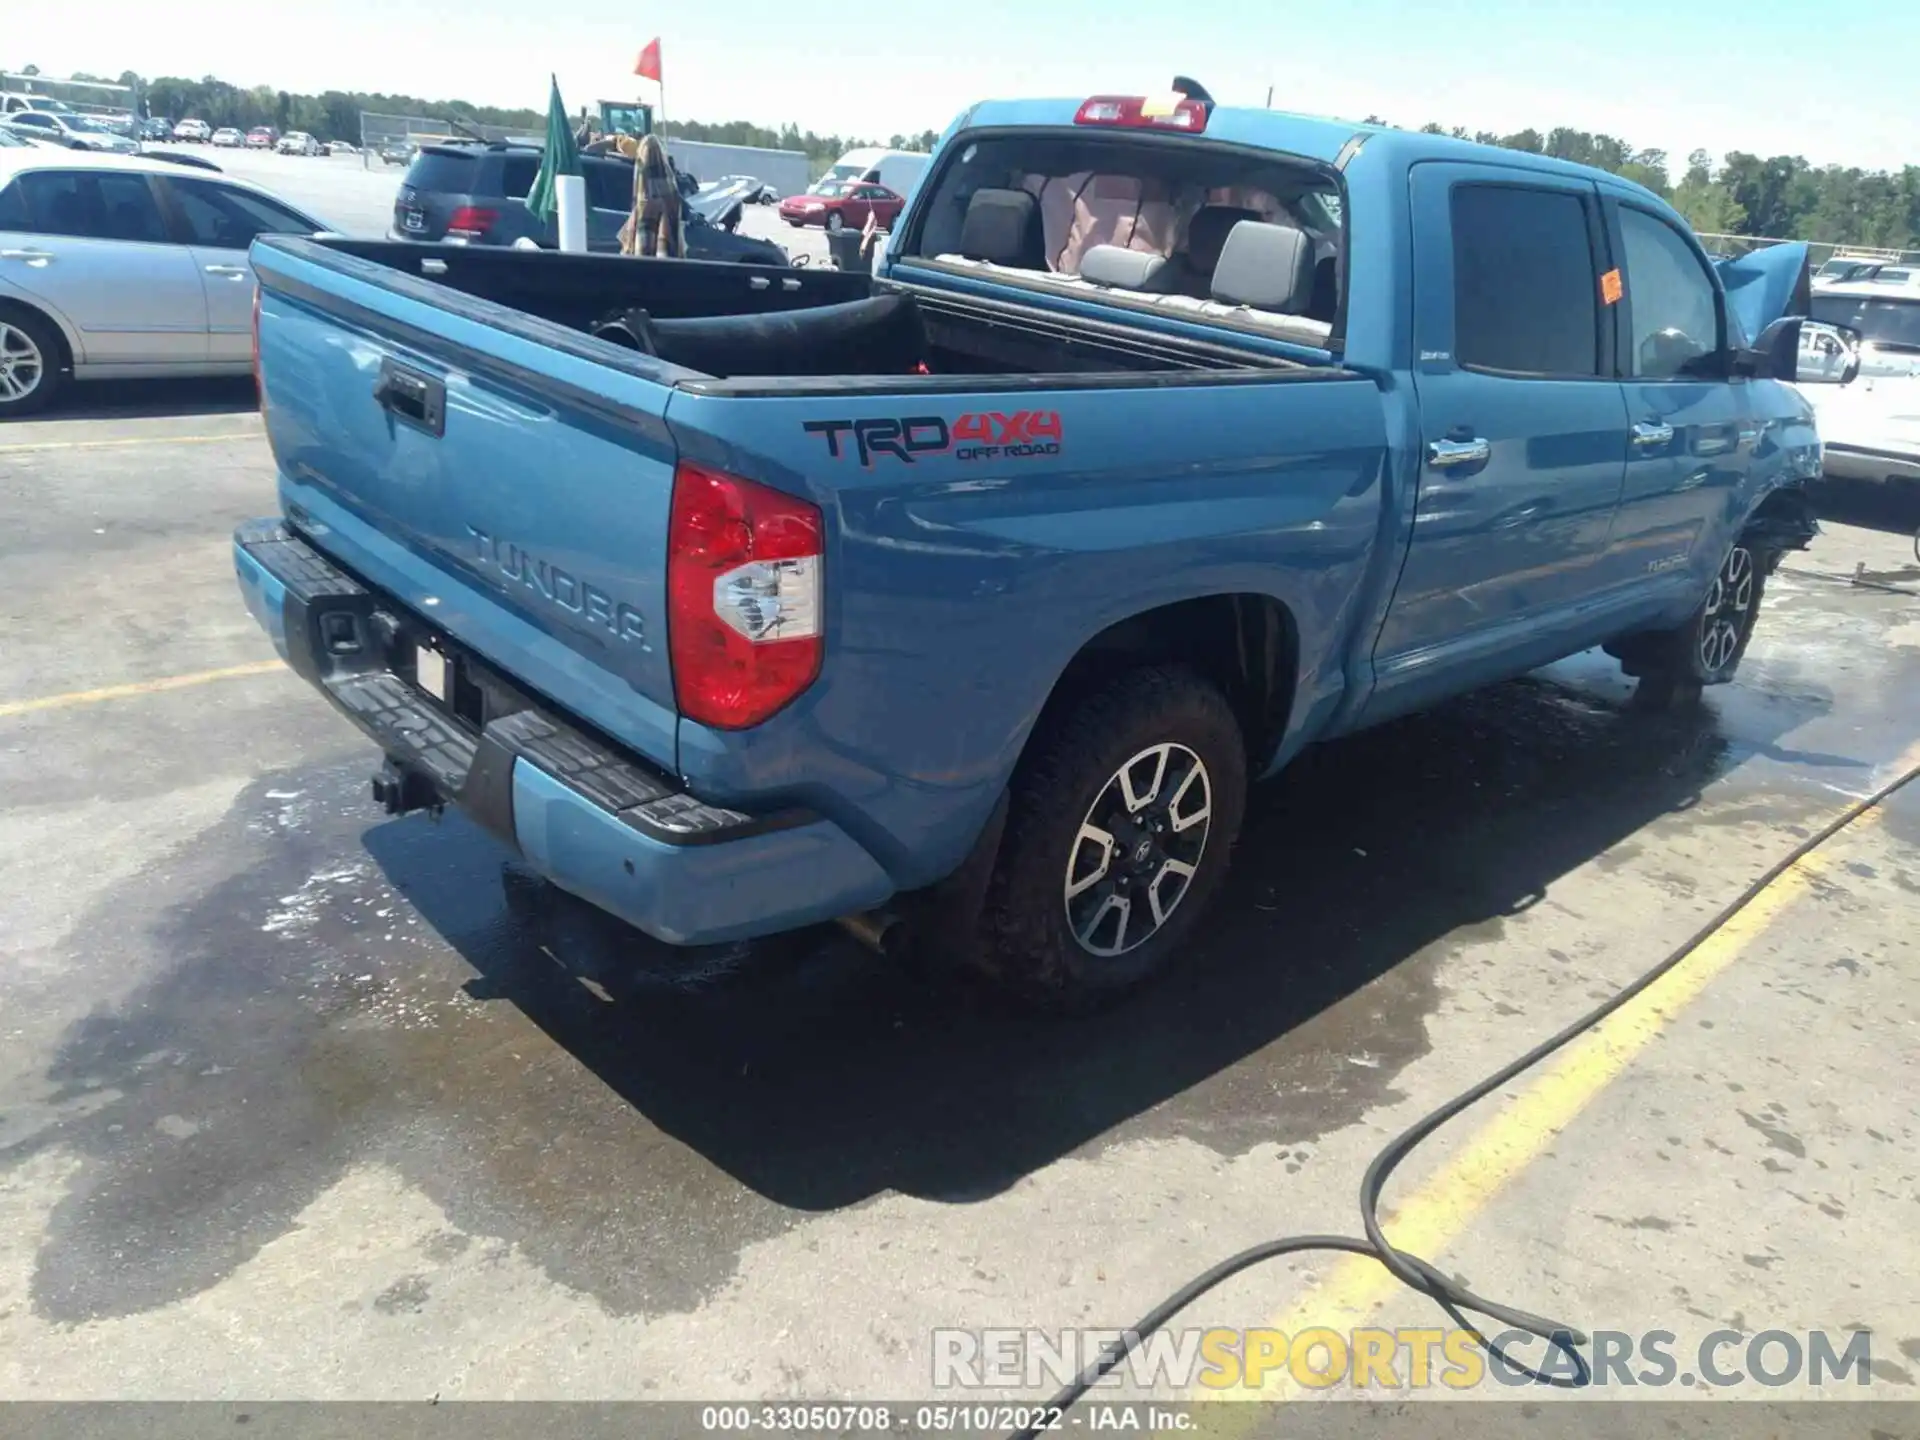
843, 205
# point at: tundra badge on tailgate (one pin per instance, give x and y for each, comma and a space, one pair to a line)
985, 436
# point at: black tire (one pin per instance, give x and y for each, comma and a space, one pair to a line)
1674, 666
54, 369
1037, 942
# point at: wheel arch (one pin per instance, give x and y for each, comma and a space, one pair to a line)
1245, 642
71, 353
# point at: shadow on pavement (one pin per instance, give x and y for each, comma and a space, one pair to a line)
156, 399
820, 1077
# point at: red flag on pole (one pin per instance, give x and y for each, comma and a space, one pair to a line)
649, 66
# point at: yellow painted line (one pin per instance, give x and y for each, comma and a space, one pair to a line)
9, 708
128, 443
1440, 1209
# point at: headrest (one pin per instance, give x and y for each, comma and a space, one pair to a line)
1118, 266
998, 227
1208, 230
1269, 267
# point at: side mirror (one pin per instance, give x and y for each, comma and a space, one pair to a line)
1806, 352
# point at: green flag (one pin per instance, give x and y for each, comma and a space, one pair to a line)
561, 157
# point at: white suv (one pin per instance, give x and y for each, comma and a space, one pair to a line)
1871, 428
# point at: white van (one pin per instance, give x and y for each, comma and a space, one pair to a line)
898, 170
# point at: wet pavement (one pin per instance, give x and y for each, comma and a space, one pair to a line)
298, 1100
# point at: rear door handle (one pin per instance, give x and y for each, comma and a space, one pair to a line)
1646, 435
419, 400
1449, 454
235, 272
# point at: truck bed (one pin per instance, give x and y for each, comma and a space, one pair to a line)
739, 324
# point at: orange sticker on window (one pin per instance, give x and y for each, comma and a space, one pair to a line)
1610, 287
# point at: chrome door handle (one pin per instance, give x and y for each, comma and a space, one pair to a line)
29, 255
1446, 454
232, 272
1650, 435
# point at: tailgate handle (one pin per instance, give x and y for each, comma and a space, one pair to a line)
418, 399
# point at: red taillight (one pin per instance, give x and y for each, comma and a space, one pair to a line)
471, 220
743, 597
1137, 112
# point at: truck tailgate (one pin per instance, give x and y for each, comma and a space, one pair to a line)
469, 460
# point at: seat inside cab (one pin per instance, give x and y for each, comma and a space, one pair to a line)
1208, 233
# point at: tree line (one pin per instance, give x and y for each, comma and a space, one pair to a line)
335, 115
1779, 197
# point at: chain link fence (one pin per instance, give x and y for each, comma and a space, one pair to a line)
1818, 251
391, 139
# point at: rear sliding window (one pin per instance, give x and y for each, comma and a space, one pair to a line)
1238, 236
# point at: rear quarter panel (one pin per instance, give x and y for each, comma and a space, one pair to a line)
960, 584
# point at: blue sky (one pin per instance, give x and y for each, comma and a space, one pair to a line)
1838, 86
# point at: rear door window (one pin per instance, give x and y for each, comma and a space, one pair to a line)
1526, 291
92, 204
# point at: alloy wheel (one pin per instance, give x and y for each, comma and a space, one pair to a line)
21, 364
1726, 616
1138, 849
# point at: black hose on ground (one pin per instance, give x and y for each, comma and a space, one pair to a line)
1411, 1270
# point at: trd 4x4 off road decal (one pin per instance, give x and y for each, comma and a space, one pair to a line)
986, 436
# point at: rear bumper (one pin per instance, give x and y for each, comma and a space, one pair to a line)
595, 820
1857, 462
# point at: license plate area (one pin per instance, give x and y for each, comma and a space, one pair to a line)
433, 673
446, 677
414, 220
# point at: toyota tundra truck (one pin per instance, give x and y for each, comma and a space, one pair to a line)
1164, 440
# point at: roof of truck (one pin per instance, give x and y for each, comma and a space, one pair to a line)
1310, 136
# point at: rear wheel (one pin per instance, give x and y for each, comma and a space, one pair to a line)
32, 362
1118, 837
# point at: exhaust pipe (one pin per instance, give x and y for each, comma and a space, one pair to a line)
875, 929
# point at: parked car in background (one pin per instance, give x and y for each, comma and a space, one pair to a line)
124, 267
297, 142
843, 205
895, 169
475, 195
158, 128
228, 138
194, 131
76, 132
11, 139
397, 152
342, 147
261, 137
1870, 428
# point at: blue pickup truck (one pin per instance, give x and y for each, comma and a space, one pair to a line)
962, 601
